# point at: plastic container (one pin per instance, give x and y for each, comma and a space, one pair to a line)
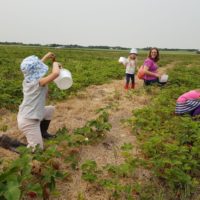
163, 78
64, 80
122, 60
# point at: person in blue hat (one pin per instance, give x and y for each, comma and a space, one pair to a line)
33, 116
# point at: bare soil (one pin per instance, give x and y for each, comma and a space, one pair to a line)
75, 112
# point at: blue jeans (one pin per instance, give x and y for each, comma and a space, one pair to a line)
150, 82
130, 76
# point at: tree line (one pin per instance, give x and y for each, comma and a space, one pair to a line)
54, 45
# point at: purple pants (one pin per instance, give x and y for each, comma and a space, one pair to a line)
196, 111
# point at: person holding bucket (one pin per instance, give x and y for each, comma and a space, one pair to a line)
150, 67
189, 103
33, 116
130, 65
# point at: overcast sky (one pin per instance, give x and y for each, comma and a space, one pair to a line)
126, 23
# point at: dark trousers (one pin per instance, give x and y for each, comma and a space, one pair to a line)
150, 82
155, 81
196, 111
130, 76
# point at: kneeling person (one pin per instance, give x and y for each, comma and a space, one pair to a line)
189, 103
33, 116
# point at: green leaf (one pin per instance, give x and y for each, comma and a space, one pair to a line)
13, 192
127, 147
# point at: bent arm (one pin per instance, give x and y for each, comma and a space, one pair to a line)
147, 72
54, 74
47, 56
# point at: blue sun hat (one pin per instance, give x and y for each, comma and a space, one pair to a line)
33, 68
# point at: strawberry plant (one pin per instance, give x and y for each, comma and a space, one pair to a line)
94, 129
170, 143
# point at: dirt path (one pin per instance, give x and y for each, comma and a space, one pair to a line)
75, 112
108, 151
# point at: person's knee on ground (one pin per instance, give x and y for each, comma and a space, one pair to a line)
35, 141
31, 129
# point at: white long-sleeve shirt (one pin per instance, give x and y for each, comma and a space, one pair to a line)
130, 65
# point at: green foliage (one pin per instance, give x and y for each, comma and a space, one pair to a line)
93, 130
12, 179
87, 67
170, 142
127, 146
30, 174
36, 174
89, 170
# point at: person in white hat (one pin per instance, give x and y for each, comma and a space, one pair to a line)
130, 65
33, 116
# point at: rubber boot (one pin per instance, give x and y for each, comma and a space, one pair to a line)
132, 85
9, 143
44, 125
126, 86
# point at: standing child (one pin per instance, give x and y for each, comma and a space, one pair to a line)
33, 116
130, 64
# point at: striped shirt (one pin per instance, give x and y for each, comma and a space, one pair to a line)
187, 106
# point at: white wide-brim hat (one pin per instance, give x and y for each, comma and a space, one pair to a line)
134, 50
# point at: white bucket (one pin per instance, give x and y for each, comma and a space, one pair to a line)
64, 80
122, 60
163, 78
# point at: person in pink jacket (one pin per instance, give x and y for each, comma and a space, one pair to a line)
189, 103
